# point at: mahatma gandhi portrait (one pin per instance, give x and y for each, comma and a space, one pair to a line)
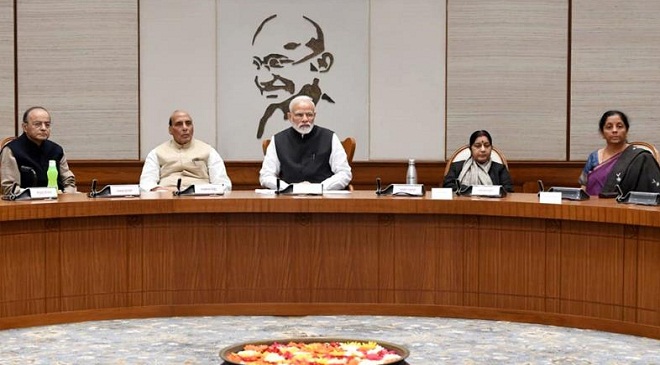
290, 57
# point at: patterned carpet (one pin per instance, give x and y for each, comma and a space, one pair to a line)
432, 341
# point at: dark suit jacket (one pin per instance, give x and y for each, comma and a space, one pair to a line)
498, 173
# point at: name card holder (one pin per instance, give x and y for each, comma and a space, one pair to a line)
403, 190
490, 191
32, 194
640, 198
570, 193
201, 190
109, 191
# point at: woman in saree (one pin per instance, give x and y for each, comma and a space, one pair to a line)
631, 167
479, 169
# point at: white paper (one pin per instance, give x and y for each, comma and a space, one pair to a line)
264, 191
442, 193
550, 197
308, 189
336, 192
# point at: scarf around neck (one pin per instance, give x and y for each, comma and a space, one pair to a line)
474, 173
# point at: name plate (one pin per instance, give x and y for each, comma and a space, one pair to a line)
408, 189
442, 194
308, 189
124, 190
43, 193
486, 190
209, 189
550, 197
641, 198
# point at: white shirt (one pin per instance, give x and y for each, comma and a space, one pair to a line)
151, 171
270, 168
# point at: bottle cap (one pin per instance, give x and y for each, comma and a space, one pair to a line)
411, 161
51, 163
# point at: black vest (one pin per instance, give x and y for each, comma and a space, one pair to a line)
304, 157
30, 157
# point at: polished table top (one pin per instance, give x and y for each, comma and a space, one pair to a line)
513, 205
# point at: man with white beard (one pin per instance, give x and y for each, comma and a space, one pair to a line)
305, 153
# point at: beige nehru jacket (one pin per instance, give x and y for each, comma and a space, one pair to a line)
187, 162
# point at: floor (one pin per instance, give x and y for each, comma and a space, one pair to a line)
198, 340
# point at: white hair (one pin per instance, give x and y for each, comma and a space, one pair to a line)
299, 99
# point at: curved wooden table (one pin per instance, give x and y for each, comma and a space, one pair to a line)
592, 264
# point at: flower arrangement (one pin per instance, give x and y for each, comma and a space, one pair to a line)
315, 353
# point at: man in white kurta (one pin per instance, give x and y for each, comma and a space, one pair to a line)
182, 157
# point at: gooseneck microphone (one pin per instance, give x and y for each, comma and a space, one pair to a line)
33, 174
178, 187
92, 191
541, 187
378, 189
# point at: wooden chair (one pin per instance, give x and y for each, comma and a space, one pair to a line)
649, 147
463, 153
6, 140
348, 144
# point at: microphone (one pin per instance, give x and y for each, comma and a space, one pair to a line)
618, 189
92, 190
34, 174
178, 187
11, 195
541, 187
457, 186
378, 189
277, 186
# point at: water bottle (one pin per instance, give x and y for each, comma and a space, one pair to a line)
411, 175
52, 174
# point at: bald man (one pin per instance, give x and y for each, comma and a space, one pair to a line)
183, 157
25, 159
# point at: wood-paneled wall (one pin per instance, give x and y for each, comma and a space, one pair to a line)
7, 68
79, 60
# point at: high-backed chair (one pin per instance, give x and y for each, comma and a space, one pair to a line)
463, 153
649, 147
6, 140
349, 145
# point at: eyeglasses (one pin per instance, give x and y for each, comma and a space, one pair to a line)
39, 124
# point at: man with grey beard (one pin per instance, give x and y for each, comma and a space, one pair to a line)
305, 152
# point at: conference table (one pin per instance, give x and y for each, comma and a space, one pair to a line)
587, 264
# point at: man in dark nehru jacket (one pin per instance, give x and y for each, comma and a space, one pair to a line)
305, 152
25, 159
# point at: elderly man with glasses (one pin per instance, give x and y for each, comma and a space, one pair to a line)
25, 159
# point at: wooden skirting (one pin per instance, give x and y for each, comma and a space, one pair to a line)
245, 175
